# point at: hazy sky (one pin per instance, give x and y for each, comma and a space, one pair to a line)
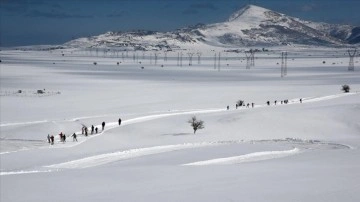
27, 22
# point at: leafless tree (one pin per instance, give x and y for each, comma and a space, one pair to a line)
196, 124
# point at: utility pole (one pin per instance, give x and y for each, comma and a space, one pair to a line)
352, 54
165, 56
283, 64
215, 61
156, 57
219, 62
190, 58
199, 55
181, 54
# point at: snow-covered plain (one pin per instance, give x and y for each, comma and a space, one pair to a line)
305, 151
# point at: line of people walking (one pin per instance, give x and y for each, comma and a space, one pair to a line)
241, 103
84, 131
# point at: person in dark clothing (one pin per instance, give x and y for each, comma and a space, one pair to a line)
300, 100
236, 106
252, 105
96, 130
52, 139
64, 138
103, 125
48, 138
74, 137
268, 103
119, 121
86, 131
227, 108
275, 102
61, 137
92, 129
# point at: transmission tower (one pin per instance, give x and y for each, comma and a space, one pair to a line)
352, 54
199, 55
190, 55
215, 61
156, 57
252, 63
283, 64
219, 62
248, 59
165, 56
181, 54
178, 59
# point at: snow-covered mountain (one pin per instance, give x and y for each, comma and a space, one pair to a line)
249, 26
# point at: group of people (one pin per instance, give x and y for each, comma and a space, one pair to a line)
62, 137
268, 103
84, 131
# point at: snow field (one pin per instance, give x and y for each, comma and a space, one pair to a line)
309, 150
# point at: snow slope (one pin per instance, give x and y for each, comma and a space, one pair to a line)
305, 151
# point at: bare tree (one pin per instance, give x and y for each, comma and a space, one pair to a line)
196, 124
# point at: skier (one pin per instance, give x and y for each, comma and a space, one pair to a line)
64, 138
236, 106
48, 138
252, 105
74, 137
247, 105
275, 102
300, 100
268, 103
92, 129
103, 125
227, 107
119, 121
96, 130
86, 131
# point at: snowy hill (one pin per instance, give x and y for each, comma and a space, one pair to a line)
249, 26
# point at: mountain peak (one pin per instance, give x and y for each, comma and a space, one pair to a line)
247, 11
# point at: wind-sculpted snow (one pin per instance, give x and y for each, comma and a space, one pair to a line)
25, 172
298, 146
129, 154
256, 156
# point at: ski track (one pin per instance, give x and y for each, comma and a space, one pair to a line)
112, 125
251, 157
